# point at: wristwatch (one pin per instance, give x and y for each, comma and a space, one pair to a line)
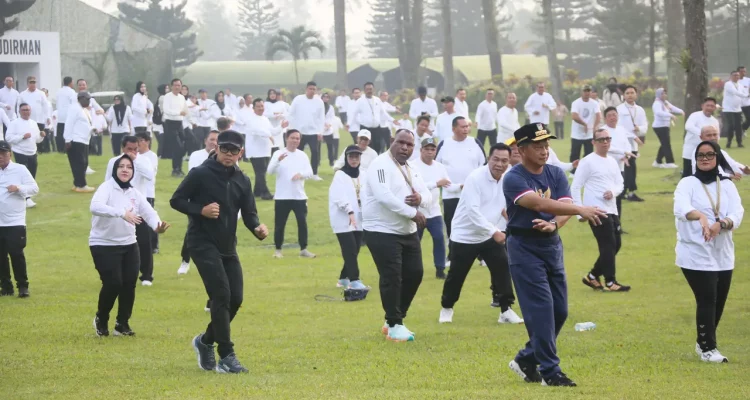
555, 222
723, 224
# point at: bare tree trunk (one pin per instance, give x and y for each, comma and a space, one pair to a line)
489, 10
339, 23
409, 15
447, 45
652, 42
675, 27
549, 40
697, 60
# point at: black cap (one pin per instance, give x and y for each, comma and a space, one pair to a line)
422, 90
352, 149
532, 133
231, 138
447, 99
4, 146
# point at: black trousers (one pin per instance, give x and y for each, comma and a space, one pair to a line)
560, 129
154, 235
200, 133
350, 243
222, 278
194, 139
118, 271
59, 139
490, 135
282, 208
332, 145
575, 148
665, 149
160, 146
143, 235
711, 289
31, 162
732, 127
379, 137
314, 143
95, 145
141, 129
687, 167
78, 158
463, 257
173, 143
608, 237
746, 112
260, 166
631, 173
354, 136
43, 147
116, 140
343, 117
12, 243
398, 259
449, 209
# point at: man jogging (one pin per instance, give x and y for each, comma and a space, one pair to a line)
211, 195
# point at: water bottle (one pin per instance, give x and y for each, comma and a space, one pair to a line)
585, 326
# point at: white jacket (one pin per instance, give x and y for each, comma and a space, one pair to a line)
109, 204
343, 198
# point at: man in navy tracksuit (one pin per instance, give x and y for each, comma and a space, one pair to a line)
538, 204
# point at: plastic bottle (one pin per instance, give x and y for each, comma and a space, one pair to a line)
585, 326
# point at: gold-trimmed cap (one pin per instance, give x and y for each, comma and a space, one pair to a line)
532, 133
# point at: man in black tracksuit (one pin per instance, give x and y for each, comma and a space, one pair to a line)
211, 195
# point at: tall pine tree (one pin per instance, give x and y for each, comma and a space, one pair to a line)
467, 23
169, 23
258, 21
216, 34
619, 32
380, 39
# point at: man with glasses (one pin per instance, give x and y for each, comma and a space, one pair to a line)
211, 195
600, 177
40, 109
710, 133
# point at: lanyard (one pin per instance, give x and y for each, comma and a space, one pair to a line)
357, 187
714, 206
408, 170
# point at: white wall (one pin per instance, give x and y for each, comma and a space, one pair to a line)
33, 53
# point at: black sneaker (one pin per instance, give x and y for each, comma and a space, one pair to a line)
616, 287
23, 292
7, 292
440, 273
526, 371
205, 353
267, 196
634, 197
230, 365
100, 327
559, 379
123, 329
495, 304
595, 284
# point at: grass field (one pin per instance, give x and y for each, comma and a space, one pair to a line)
297, 348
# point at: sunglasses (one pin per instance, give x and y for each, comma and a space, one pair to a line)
229, 149
603, 139
705, 156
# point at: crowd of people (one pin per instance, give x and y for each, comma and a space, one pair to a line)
502, 208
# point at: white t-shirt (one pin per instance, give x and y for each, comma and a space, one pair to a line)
587, 111
431, 174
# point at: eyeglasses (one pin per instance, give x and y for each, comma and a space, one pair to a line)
229, 149
705, 156
603, 139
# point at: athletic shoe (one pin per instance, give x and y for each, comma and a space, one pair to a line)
123, 329
559, 379
267, 196
399, 333
526, 371
277, 254
384, 329
205, 353
208, 306
147, 283
230, 365
343, 283
495, 303
482, 263
89, 171
713, 356
595, 284
446, 315
306, 254
184, 268
85, 189
30, 203
509, 317
7, 292
440, 273
316, 178
616, 287
670, 166
357, 285
656, 165
23, 292
100, 327
633, 197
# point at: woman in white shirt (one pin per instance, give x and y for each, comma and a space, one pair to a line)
332, 143
117, 208
663, 120
118, 116
291, 167
224, 109
275, 111
142, 108
707, 208
345, 213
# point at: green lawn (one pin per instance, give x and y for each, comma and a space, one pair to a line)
297, 348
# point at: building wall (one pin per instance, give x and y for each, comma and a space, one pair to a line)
32, 54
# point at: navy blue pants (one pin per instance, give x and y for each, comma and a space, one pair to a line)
536, 265
435, 227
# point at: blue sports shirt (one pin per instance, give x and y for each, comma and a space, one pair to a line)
519, 182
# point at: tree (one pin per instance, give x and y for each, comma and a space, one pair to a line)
339, 26
9, 8
490, 20
696, 59
617, 32
675, 29
258, 21
467, 18
297, 43
409, 15
652, 39
170, 23
216, 35
549, 40
380, 39
448, 46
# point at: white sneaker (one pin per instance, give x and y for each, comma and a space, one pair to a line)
670, 166
306, 254
713, 356
30, 203
90, 171
656, 165
447, 263
277, 254
509, 317
317, 178
482, 263
446, 315
147, 283
184, 268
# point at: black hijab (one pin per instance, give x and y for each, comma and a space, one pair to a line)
268, 96
120, 110
613, 86
121, 184
138, 87
216, 99
707, 177
326, 105
347, 168
162, 89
